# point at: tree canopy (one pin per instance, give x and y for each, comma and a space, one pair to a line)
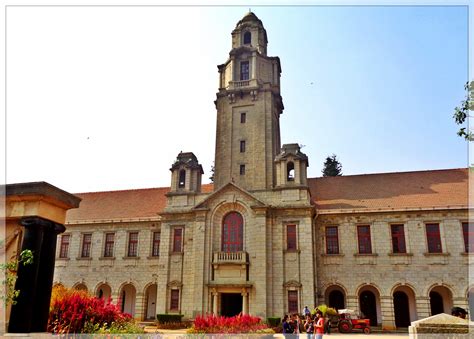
461, 113
332, 167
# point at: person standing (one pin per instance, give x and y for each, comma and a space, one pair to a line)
287, 329
319, 325
306, 311
309, 326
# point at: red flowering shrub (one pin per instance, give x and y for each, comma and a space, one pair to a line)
218, 324
73, 311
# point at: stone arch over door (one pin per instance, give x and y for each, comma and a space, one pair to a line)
369, 304
149, 309
127, 298
104, 291
404, 305
441, 299
335, 296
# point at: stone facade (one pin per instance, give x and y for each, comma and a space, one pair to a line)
255, 241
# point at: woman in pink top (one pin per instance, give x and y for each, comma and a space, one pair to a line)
319, 325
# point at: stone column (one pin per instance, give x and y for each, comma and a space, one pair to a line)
352, 302
44, 284
214, 301
388, 317
245, 301
423, 307
22, 311
140, 312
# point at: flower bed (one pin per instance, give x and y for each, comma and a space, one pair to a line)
237, 324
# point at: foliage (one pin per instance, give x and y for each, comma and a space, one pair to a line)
238, 324
332, 167
174, 325
73, 311
273, 321
325, 310
213, 169
461, 113
168, 318
10, 269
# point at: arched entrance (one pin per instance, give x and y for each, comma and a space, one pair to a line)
368, 306
80, 287
127, 299
441, 300
150, 302
104, 292
335, 297
401, 309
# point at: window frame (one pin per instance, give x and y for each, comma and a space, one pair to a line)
182, 175
174, 300
109, 245
334, 237
244, 72
367, 238
291, 243
292, 298
242, 146
243, 117
468, 234
132, 244
176, 248
242, 169
154, 241
433, 236
247, 34
64, 246
398, 238
233, 232
87, 250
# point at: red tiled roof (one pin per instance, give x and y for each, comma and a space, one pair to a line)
126, 204
380, 191
387, 191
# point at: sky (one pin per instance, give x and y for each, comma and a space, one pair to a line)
104, 98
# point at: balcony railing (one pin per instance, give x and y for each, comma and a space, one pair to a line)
230, 258
233, 85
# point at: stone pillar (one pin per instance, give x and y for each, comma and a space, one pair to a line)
352, 302
214, 301
245, 301
423, 307
140, 312
388, 316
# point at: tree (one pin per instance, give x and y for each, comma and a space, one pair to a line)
9, 269
332, 167
213, 168
461, 113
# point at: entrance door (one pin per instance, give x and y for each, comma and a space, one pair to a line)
401, 308
368, 307
336, 300
231, 304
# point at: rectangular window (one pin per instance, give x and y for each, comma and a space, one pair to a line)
155, 251
178, 240
468, 234
242, 146
109, 245
398, 238
433, 238
363, 236
86, 245
242, 169
292, 302
64, 248
291, 237
174, 303
132, 244
244, 70
332, 240
243, 118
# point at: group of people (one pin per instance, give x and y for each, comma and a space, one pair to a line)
313, 326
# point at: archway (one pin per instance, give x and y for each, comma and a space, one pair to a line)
369, 304
103, 291
335, 297
80, 287
150, 302
127, 299
441, 300
401, 309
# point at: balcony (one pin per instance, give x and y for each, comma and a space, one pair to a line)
236, 85
225, 258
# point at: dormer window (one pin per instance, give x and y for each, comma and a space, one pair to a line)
290, 171
182, 178
247, 38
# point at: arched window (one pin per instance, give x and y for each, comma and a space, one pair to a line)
247, 38
290, 171
182, 178
232, 232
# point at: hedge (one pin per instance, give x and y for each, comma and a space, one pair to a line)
274, 321
169, 318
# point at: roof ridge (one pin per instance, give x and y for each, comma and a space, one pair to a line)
399, 172
132, 189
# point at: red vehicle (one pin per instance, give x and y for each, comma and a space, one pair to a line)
349, 320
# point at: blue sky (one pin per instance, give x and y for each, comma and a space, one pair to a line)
118, 92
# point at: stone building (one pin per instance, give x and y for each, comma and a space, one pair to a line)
264, 239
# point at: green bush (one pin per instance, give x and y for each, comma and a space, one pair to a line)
273, 321
169, 318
